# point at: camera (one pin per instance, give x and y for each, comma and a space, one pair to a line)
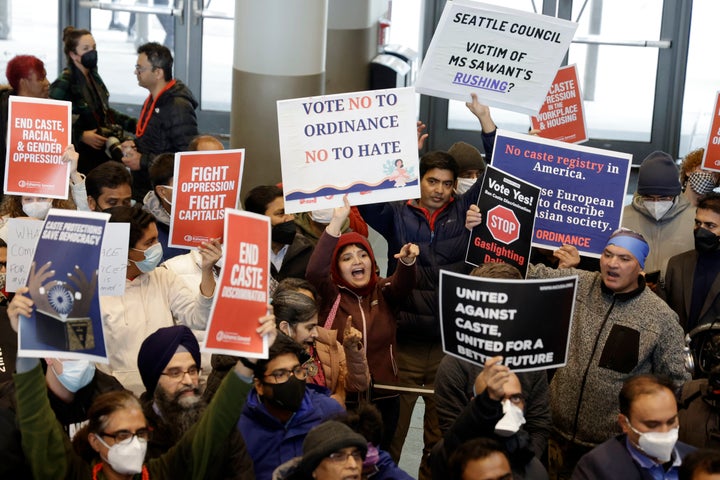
115, 137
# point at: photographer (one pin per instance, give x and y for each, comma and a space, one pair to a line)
93, 119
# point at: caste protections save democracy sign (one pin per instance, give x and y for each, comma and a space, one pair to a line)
63, 284
528, 322
507, 57
38, 133
363, 144
243, 287
206, 183
583, 188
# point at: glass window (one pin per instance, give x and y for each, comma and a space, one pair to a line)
701, 82
24, 32
217, 57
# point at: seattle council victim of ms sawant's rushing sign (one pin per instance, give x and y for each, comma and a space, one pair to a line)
363, 144
243, 287
38, 133
528, 322
583, 188
507, 57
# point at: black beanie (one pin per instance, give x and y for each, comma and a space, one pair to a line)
658, 175
327, 438
158, 349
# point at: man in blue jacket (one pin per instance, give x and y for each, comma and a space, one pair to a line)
648, 447
282, 408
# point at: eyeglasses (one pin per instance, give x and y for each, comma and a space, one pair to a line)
341, 457
179, 373
282, 375
139, 69
126, 436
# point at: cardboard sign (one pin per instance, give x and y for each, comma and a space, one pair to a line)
561, 116
243, 287
528, 322
362, 143
711, 158
507, 57
63, 279
22, 241
38, 133
206, 183
583, 188
508, 206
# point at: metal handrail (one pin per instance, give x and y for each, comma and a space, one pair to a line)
119, 7
599, 40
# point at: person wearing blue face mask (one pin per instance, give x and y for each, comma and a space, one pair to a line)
154, 297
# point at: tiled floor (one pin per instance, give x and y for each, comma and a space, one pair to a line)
412, 450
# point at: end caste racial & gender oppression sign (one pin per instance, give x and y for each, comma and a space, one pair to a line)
363, 144
526, 321
38, 133
507, 57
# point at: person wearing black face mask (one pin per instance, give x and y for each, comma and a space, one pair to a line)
692, 283
290, 250
81, 84
282, 408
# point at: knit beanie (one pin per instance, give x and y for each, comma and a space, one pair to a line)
327, 438
352, 238
631, 241
658, 175
158, 349
467, 157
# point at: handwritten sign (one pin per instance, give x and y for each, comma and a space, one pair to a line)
206, 183
583, 188
505, 235
561, 116
38, 133
62, 282
362, 143
22, 241
526, 321
243, 287
507, 57
711, 158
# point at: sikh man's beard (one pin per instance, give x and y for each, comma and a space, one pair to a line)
180, 412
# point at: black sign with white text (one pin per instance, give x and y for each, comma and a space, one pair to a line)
526, 321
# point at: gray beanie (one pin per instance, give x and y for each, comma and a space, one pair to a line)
658, 175
327, 438
467, 156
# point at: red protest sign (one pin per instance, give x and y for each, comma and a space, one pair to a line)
241, 297
38, 133
711, 159
205, 184
561, 116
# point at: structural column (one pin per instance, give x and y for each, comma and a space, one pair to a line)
279, 54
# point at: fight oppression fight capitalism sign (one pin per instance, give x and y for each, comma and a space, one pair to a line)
526, 321
507, 57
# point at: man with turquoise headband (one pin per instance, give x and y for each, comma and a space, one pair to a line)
620, 329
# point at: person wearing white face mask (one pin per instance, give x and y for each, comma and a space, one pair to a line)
496, 411
648, 447
154, 297
114, 442
660, 213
